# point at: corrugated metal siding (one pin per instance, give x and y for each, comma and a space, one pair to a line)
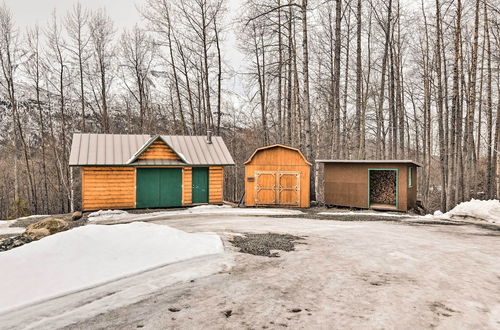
117, 149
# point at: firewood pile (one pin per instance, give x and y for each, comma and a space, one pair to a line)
383, 187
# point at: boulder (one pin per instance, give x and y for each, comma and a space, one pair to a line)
51, 226
36, 234
76, 215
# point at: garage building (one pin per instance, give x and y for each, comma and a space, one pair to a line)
125, 171
375, 184
277, 175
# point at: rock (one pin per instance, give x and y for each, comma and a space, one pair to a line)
51, 225
37, 233
174, 309
76, 215
14, 242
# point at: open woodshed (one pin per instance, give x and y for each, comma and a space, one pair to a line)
277, 175
375, 184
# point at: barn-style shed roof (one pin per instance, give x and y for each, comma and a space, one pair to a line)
277, 146
123, 150
369, 161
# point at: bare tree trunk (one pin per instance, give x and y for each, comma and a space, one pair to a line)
289, 83
307, 105
280, 78
387, 29
471, 105
439, 101
359, 83
219, 76
336, 77
452, 155
174, 74
489, 110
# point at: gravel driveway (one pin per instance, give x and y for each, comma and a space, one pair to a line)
346, 275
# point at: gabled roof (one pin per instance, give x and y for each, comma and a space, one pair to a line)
369, 161
119, 149
146, 146
277, 146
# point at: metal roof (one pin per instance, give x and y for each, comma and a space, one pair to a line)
117, 149
369, 161
277, 146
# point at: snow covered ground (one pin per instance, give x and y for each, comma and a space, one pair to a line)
91, 255
377, 214
355, 275
5, 228
118, 216
475, 210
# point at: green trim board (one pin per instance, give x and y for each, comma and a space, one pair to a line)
158, 187
200, 185
397, 183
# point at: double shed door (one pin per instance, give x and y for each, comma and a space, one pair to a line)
277, 188
159, 187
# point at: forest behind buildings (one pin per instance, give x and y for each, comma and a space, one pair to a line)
339, 79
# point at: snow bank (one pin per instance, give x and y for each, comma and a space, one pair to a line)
5, 228
91, 255
123, 216
487, 210
377, 214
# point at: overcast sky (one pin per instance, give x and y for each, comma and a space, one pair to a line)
30, 12
124, 14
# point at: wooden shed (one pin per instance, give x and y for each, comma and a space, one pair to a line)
125, 171
375, 184
277, 175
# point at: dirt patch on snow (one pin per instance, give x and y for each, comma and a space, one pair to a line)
265, 244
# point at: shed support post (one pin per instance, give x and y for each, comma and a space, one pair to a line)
72, 190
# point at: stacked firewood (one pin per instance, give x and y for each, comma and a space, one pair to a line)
383, 187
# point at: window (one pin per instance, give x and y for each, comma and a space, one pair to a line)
410, 177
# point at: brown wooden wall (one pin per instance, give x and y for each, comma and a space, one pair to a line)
158, 150
108, 188
215, 184
412, 192
347, 184
187, 185
278, 159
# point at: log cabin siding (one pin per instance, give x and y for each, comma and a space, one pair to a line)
215, 185
187, 185
108, 187
158, 150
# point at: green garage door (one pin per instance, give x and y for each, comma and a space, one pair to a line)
200, 185
159, 187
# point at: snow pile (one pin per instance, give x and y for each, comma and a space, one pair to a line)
377, 214
107, 215
5, 228
90, 255
488, 210
123, 216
